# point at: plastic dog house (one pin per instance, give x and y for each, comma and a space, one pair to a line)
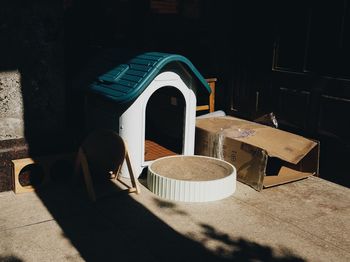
150, 100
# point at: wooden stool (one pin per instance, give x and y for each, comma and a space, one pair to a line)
103, 152
211, 103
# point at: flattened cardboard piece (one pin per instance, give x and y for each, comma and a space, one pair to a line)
254, 148
286, 175
310, 163
277, 143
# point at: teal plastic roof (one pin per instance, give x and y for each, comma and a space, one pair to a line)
128, 80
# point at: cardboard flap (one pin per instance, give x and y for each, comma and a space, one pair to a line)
217, 124
277, 143
285, 175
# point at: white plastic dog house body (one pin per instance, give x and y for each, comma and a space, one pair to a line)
132, 122
119, 99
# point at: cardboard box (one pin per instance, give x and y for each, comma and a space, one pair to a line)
264, 156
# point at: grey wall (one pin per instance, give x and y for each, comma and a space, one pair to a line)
32, 90
11, 105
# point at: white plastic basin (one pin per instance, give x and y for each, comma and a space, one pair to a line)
191, 178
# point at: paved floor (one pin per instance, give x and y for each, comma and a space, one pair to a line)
307, 220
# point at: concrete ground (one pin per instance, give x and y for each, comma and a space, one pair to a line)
308, 220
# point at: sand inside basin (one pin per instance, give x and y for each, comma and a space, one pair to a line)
191, 168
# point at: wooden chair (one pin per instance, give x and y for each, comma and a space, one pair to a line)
211, 105
103, 152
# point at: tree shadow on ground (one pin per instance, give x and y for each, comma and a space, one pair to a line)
10, 258
119, 228
228, 248
241, 249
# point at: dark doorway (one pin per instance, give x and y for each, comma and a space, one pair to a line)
164, 124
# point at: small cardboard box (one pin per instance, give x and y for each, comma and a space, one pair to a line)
264, 156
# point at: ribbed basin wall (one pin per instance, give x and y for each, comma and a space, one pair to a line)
191, 191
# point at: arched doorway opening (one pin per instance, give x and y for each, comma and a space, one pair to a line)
164, 123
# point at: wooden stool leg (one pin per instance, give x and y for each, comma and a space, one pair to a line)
87, 175
117, 173
131, 173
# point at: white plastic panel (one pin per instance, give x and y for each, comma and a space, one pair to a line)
132, 121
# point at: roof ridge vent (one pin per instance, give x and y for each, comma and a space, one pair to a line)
113, 75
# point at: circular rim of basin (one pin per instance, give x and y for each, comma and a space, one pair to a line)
192, 190
233, 169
